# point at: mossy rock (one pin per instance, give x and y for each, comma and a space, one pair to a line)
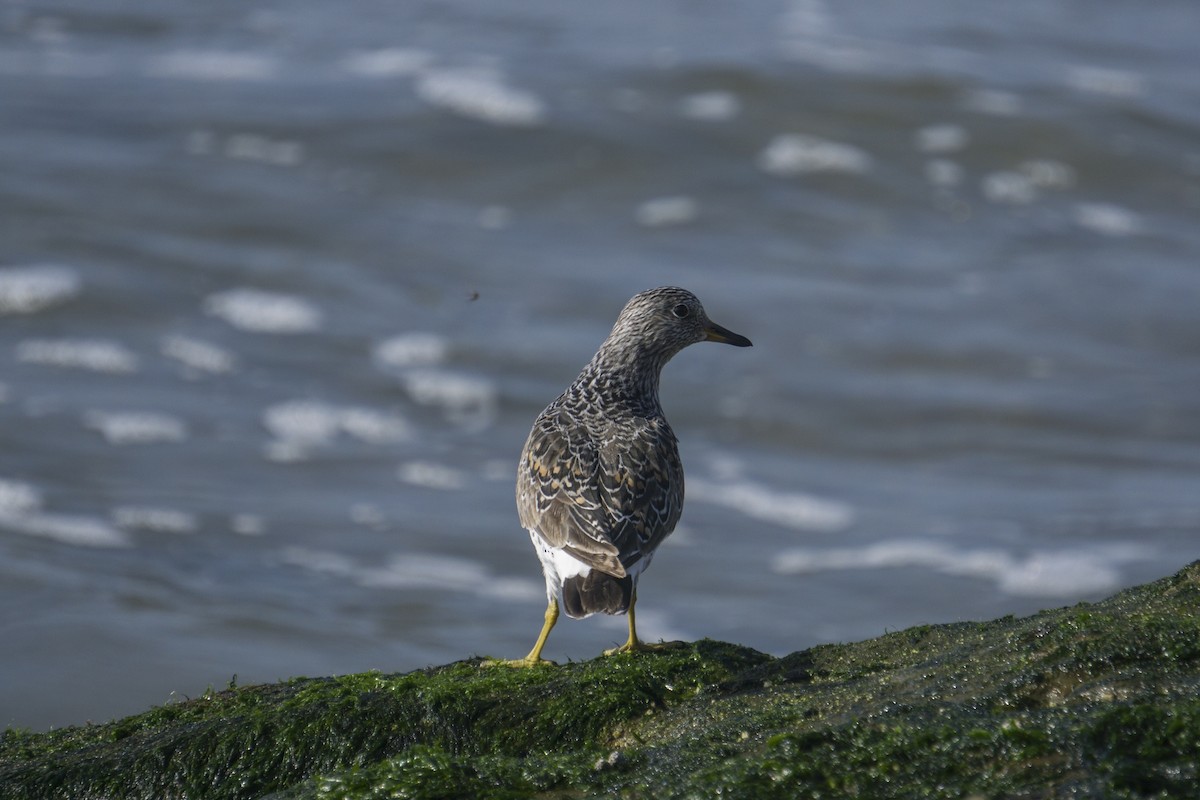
1095, 700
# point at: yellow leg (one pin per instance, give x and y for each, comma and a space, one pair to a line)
535, 655
633, 643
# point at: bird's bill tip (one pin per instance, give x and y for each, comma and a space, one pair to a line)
715, 333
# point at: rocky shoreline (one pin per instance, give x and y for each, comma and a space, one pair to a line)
1093, 700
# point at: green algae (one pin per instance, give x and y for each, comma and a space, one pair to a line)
1095, 700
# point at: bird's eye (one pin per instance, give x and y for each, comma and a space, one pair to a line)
681, 311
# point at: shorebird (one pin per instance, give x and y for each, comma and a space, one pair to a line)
599, 484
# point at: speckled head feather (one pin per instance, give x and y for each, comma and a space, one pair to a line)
652, 328
599, 484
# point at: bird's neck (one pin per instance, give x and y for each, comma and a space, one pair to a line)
624, 373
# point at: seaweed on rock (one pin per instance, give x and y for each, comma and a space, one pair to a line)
1090, 700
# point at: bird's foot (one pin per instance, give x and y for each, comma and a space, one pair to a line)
637, 646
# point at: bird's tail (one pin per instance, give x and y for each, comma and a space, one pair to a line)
596, 593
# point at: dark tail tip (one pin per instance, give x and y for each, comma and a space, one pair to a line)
596, 593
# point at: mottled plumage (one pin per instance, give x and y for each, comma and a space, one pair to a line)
599, 483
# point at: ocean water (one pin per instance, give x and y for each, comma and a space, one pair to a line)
282, 287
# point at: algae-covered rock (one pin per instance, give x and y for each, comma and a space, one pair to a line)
1095, 700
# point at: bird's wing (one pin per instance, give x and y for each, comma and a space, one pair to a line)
559, 491
641, 485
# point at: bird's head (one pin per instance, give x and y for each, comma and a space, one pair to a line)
663, 321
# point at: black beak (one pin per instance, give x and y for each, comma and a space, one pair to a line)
715, 333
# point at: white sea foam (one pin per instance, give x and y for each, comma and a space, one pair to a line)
711, 106
375, 427
1107, 219
136, 427
664, 211
389, 62
423, 571
1046, 173
481, 94
836, 53
94, 354
17, 497
995, 102
305, 422
432, 475
808, 33
264, 149
416, 571
213, 65
301, 425
21, 512
68, 529
368, 515
1012, 188
285, 451
197, 355
1059, 575
941, 138
799, 154
903, 553
1039, 574
466, 400
158, 520
788, 509
247, 524
310, 423
416, 349
322, 561
28, 289
1106, 81
264, 312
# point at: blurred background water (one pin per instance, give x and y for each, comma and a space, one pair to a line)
282, 286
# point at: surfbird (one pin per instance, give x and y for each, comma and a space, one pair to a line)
599, 484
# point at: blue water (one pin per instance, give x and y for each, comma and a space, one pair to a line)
283, 286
